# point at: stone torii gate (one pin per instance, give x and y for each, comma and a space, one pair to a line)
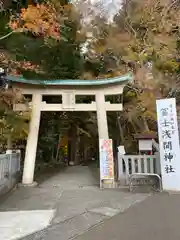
68, 89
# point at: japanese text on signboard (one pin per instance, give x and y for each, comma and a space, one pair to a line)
167, 130
106, 158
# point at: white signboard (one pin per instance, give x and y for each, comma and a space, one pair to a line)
121, 150
169, 144
106, 159
145, 145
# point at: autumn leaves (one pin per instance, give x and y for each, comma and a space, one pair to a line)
41, 20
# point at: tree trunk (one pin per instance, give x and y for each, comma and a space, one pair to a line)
146, 127
74, 144
9, 142
134, 126
58, 148
121, 133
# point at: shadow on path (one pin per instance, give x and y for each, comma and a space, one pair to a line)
157, 218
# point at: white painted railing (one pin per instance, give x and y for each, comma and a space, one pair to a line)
129, 164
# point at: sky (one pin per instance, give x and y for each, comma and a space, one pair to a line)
110, 7
106, 8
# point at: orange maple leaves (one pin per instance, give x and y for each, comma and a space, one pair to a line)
41, 20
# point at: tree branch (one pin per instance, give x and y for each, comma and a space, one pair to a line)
166, 10
7, 35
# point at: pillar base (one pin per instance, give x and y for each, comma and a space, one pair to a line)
34, 184
106, 184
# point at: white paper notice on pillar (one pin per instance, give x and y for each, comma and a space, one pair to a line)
169, 144
106, 159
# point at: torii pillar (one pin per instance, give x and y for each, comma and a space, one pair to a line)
101, 116
31, 147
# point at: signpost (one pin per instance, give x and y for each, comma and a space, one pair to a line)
169, 144
106, 161
121, 152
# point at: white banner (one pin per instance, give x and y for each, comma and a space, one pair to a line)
106, 159
169, 144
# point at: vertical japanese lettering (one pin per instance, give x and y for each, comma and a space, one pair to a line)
167, 131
